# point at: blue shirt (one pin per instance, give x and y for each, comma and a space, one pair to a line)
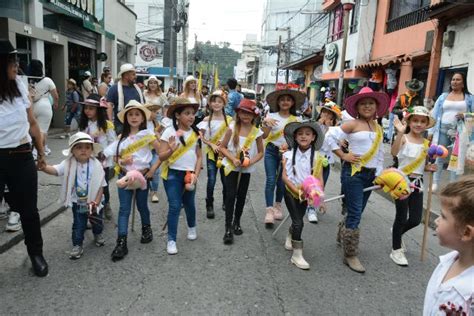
233, 102
129, 93
72, 97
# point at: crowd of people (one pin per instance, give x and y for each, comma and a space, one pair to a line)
145, 137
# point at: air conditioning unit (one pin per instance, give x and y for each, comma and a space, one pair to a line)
448, 38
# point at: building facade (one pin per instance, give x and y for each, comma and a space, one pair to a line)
244, 71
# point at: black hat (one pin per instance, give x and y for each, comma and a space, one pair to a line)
6, 47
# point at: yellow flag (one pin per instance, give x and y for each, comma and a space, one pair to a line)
216, 79
200, 80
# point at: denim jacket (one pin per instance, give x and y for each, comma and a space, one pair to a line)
437, 113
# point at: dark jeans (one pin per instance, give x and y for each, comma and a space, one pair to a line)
79, 225
106, 188
18, 172
273, 171
212, 178
297, 210
236, 194
411, 207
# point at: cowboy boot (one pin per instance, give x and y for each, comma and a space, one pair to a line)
350, 245
121, 249
340, 227
269, 220
277, 211
297, 257
210, 208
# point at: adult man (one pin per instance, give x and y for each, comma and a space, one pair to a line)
122, 92
234, 97
86, 86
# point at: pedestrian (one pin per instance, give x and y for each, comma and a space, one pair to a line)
302, 161
153, 93
105, 83
132, 152
449, 109
190, 91
411, 148
83, 180
233, 98
17, 167
95, 85
72, 106
86, 85
450, 290
360, 165
93, 121
154, 125
213, 129
242, 148
171, 93
283, 107
180, 151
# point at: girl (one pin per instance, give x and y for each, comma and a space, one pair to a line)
93, 121
283, 105
303, 160
83, 180
154, 125
242, 148
180, 151
360, 165
214, 128
411, 149
190, 91
132, 152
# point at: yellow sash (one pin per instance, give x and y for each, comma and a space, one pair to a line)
248, 142
133, 147
368, 156
217, 137
277, 134
415, 164
190, 141
110, 125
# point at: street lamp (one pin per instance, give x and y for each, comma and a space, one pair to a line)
347, 6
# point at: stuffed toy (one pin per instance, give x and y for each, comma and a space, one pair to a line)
313, 191
395, 182
188, 181
133, 180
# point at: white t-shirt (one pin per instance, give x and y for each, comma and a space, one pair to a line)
282, 121
450, 109
326, 150
166, 122
187, 162
302, 165
14, 124
141, 158
42, 89
215, 126
104, 139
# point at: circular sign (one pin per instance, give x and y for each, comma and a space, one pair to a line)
148, 52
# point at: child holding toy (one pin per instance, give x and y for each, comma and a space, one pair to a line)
83, 180
301, 162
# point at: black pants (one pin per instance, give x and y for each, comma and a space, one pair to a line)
106, 188
297, 211
236, 195
408, 215
18, 172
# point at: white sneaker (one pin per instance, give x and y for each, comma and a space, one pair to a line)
76, 253
13, 224
192, 233
312, 216
171, 247
47, 151
154, 197
398, 256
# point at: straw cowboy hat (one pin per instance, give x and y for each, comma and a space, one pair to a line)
291, 128
132, 104
189, 79
249, 106
82, 138
152, 78
332, 107
72, 81
218, 94
414, 84
272, 98
152, 106
422, 111
181, 103
381, 98
125, 68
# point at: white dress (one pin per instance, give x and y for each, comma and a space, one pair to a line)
42, 108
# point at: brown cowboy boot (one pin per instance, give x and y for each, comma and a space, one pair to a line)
350, 244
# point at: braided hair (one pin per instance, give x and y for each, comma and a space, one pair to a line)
313, 151
193, 127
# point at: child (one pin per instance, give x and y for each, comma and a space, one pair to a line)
242, 148
83, 180
132, 152
411, 149
283, 106
301, 161
93, 121
213, 128
153, 124
450, 290
180, 151
360, 165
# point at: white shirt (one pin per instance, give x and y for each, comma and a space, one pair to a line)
166, 122
187, 162
215, 126
450, 109
42, 89
458, 290
14, 124
408, 153
346, 117
282, 121
141, 158
325, 149
302, 166
104, 139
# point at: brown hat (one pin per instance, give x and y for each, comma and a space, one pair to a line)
297, 96
178, 103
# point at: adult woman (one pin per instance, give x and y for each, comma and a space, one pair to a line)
190, 92
153, 94
17, 167
44, 88
448, 110
105, 83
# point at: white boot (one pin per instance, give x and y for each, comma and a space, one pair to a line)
288, 245
297, 257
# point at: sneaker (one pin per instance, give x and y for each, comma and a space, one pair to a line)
398, 256
76, 252
192, 233
171, 247
154, 197
99, 240
312, 216
47, 150
13, 224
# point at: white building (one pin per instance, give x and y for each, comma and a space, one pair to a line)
248, 57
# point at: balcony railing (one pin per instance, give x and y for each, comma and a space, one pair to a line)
404, 21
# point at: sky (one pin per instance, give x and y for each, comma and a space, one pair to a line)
224, 21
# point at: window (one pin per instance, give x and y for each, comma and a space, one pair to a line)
405, 13
336, 22
402, 7
155, 15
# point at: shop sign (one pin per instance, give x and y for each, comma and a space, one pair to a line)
89, 10
148, 52
331, 56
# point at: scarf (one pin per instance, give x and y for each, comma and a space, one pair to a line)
121, 98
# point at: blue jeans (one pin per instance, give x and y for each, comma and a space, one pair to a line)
177, 197
212, 178
446, 141
155, 181
125, 199
79, 225
353, 186
273, 166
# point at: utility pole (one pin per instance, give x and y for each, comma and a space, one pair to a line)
287, 54
171, 43
185, 39
278, 60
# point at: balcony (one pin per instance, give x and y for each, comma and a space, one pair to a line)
407, 20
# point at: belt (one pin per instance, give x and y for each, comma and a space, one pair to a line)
22, 149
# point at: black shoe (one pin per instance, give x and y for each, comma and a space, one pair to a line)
147, 234
237, 229
121, 249
40, 266
210, 211
228, 236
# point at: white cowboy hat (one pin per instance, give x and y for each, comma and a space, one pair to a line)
188, 79
87, 73
133, 104
125, 68
152, 78
421, 111
83, 138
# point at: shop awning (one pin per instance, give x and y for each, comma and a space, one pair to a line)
315, 58
391, 60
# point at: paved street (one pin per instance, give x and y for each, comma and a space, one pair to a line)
253, 276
